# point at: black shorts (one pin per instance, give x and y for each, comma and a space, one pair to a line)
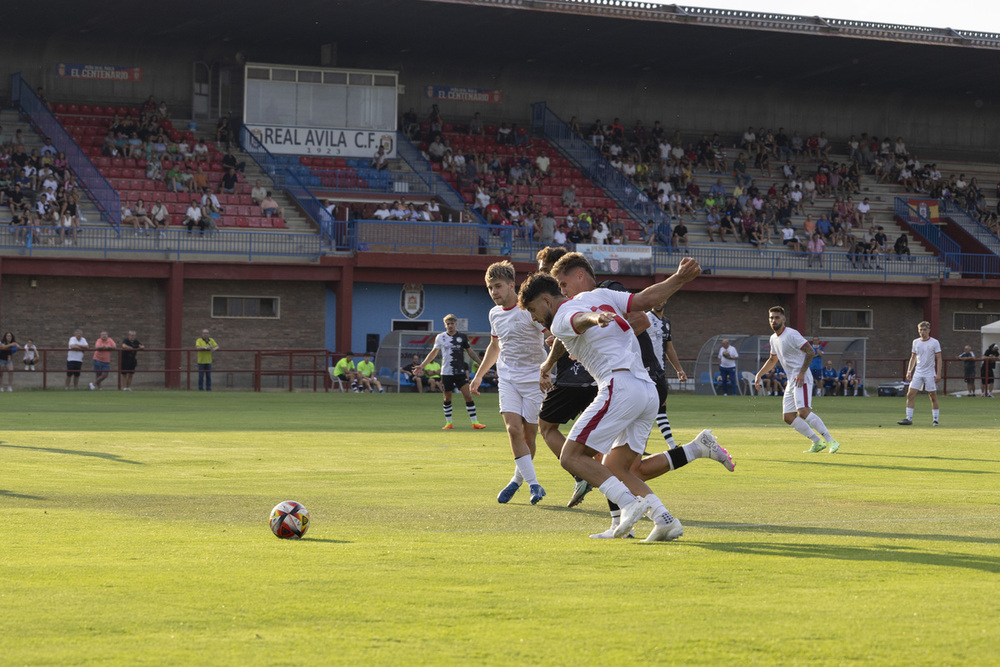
563, 404
453, 382
128, 365
662, 390
73, 368
343, 377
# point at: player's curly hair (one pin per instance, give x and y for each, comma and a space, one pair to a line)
503, 270
549, 255
535, 286
570, 261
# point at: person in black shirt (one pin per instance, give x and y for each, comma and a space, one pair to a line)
229, 161
130, 347
229, 181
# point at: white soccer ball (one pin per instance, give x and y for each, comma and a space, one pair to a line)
289, 520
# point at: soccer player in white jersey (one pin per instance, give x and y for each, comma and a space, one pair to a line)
593, 329
517, 347
923, 372
794, 352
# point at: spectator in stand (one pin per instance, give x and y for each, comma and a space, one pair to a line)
187, 179
599, 235
901, 246
543, 163
258, 193
381, 161
229, 161
229, 181
436, 149
679, 237
849, 379
831, 380
270, 207
141, 215
201, 152
435, 122
789, 239
160, 216
184, 150
617, 238
154, 169
476, 126
194, 216
381, 213
199, 180
815, 248
223, 133
411, 124
569, 195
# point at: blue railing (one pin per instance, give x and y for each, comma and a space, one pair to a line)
588, 159
106, 198
920, 224
334, 232
171, 243
437, 186
442, 237
970, 224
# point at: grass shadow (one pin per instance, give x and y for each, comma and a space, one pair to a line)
827, 462
74, 452
827, 531
880, 554
919, 458
326, 540
10, 494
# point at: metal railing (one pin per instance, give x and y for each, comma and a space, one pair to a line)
171, 243
970, 224
442, 238
351, 180
106, 198
921, 225
588, 159
334, 232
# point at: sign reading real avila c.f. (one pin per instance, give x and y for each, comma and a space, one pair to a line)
324, 141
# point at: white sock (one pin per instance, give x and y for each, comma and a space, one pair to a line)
802, 427
526, 468
616, 491
909, 413
817, 424
518, 478
658, 512
694, 450
936, 413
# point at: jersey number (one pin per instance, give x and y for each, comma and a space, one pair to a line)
619, 320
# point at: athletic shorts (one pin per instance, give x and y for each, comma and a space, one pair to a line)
453, 382
73, 368
563, 404
795, 397
521, 398
343, 377
128, 365
622, 414
923, 383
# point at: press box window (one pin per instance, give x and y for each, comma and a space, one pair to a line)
974, 321
255, 307
845, 319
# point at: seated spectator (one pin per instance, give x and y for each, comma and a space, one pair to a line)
600, 234
270, 207
366, 374
436, 150
229, 181
194, 216
679, 238
831, 380
902, 245
815, 248
141, 214
382, 212
201, 152
617, 238
154, 168
569, 195
849, 379
381, 161
543, 163
258, 193
714, 223
160, 216
414, 374
505, 136
789, 239
229, 161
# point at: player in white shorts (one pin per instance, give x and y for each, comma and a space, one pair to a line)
594, 330
923, 372
794, 352
517, 347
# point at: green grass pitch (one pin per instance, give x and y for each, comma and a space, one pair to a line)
135, 533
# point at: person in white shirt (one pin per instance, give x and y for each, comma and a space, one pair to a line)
727, 367
593, 328
193, 216
382, 212
923, 372
795, 353
74, 358
517, 348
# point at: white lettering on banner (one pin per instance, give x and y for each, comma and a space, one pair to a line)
332, 142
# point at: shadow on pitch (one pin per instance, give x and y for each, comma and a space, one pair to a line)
826, 462
880, 554
917, 458
828, 531
75, 452
10, 494
323, 539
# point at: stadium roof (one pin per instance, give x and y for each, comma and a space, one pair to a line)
688, 44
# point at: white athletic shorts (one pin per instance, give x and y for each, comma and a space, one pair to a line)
797, 398
522, 398
923, 383
622, 414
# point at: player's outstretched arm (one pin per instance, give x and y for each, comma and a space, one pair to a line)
582, 321
430, 357
655, 295
489, 359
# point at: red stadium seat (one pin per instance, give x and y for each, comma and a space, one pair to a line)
73, 109
85, 109
122, 111
60, 107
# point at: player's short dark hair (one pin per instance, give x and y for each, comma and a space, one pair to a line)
535, 286
549, 255
776, 309
570, 261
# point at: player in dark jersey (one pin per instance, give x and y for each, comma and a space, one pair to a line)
454, 371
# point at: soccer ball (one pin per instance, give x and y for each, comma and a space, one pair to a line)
289, 520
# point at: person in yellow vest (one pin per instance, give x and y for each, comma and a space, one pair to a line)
206, 347
366, 373
346, 372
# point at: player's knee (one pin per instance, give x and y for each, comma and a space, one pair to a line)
790, 417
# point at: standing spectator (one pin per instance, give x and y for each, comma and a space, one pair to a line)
8, 346
988, 368
74, 358
130, 347
969, 369
102, 360
206, 347
727, 367
30, 355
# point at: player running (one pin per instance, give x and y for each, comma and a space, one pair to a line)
794, 352
517, 347
923, 372
454, 371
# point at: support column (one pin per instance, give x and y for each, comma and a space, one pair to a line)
932, 309
173, 335
344, 290
799, 307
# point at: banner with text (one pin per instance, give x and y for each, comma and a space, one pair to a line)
322, 141
102, 72
631, 260
458, 94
